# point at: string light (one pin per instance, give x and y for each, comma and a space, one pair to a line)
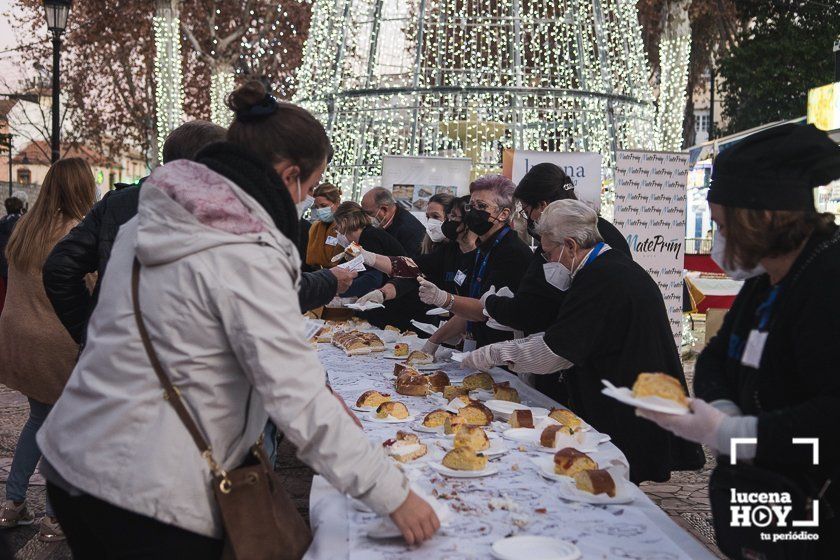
169, 90
222, 82
455, 78
674, 52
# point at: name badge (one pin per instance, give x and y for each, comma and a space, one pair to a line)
754, 349
460, 277
332, 241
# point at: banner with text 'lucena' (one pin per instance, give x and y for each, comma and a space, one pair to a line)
650, 198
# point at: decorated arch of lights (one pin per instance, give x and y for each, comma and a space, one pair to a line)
471, 77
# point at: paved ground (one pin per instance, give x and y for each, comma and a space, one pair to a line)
684, 497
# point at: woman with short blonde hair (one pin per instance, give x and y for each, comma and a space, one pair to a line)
322, 244
36, 352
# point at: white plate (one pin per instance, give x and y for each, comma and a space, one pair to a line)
482, 395
425, 327
545, 465
446, 471
362, 408
590, 443
390, 356
419, 427
437, 311
503, 409
623, 492
530, 547
491, 435
389, 420
656, 404
497, 447
429, 367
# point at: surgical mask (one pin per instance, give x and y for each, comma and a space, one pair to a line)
478, 221
324, 214
557, 274
450, 230
342, 240
304, 204
736, 273
435, 231
375, 221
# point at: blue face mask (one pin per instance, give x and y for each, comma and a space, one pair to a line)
324, 214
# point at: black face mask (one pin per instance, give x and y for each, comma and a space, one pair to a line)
532, 230
450, 229
477, 221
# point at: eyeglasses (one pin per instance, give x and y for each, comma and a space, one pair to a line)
525, 212
479, 205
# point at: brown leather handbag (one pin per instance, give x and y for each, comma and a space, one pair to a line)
259, 518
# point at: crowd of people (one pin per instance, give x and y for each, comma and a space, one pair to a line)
234, 237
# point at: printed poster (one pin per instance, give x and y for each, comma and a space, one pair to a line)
415, 179
650, 202
584, 168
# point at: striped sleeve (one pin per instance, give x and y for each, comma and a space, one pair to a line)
530, 355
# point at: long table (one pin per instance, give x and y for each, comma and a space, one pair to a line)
516, 501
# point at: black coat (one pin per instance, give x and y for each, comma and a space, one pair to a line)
87, 248
408, 230
613, 325
7, 225
536, 303
795, 392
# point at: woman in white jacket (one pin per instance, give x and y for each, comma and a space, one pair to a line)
216, 240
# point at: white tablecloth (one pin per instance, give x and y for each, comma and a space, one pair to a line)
517, 500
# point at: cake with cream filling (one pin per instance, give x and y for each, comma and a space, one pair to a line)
400, 349
405, 447
555, 436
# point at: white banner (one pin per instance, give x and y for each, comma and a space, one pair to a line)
650, 199
415, 179
584, 168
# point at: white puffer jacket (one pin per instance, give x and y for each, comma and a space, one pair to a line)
218, 290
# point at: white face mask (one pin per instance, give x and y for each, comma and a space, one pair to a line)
375, 221
736, 273
342, 240
324, 214
557, 274
304, 204
433, 228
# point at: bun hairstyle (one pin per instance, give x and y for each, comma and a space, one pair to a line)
277, 130
544, 182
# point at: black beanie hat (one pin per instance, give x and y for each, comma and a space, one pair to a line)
775, 169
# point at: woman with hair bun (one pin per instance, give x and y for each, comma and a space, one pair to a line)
212, 261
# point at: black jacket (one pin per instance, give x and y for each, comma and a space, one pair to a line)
536, 303
87, 248
408, 231
795, 391
380, 242
613, 325
7, 225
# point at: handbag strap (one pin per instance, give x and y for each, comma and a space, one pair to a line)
170, 392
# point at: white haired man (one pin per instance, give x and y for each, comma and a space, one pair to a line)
611, 325
380, 205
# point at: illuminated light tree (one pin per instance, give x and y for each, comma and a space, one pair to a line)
169, 88
399, 77
674, 56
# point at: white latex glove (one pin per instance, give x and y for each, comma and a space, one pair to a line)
376, 296
480, 358
370, 259
430, 347
487, 294
701, 425
431, 294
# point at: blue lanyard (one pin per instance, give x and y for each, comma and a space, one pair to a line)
478, 275
594, 254
764, 310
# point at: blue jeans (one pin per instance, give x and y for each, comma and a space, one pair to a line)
27, 454
270, 442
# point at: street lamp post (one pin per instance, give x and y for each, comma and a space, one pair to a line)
6, 139
56, 12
